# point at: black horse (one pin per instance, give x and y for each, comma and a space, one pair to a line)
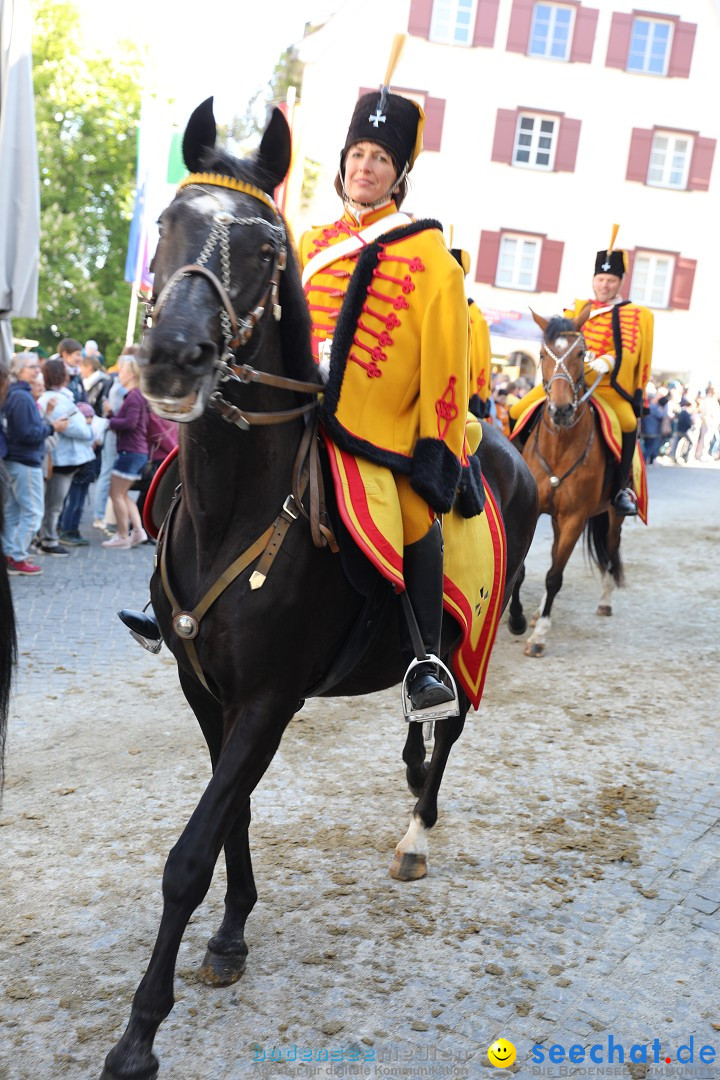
258, 651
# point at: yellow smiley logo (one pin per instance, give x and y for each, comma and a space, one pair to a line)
502, 1053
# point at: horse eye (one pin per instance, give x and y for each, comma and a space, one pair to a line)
266, 252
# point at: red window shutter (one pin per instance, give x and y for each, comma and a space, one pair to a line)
567, 145
520, 23
701, 165
485, 22
584, 34
682, 49
619, 41
627, 279
639, 156
682, 285
434, 116
488, 254
504, 141
420, 18
550, 263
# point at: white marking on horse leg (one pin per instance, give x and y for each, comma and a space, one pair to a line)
542, 628
607, 590
415, 840
410, 861
540, 609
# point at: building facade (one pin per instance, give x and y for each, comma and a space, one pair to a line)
546, 123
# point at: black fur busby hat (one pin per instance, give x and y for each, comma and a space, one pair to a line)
611, 261
390, 120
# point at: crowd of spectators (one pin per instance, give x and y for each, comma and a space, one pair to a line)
682, 425
74, 434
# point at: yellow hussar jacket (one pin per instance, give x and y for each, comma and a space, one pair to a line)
480, 358
625, 331
398, 386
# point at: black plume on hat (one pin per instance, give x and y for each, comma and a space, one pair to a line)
391, 121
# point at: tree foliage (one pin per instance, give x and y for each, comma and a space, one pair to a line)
87, 108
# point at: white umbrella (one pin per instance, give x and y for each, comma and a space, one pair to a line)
19, 182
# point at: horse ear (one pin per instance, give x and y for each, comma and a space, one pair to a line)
580, 320
540, 320
273, 154
199, 136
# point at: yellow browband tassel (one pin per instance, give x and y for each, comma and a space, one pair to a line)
395, 53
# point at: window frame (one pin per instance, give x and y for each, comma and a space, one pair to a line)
651, 21
554, 7
653, 258
534, 148
453, 7
537, 241
665, 133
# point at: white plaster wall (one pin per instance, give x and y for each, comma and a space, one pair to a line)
462, 187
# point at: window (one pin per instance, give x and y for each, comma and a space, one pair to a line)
669, 160
518, 261
551, 31
453, 22
535, 140
652, 278
649, 46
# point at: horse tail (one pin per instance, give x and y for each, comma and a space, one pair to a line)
596, 546
8, 648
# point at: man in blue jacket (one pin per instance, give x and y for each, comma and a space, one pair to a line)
25, 434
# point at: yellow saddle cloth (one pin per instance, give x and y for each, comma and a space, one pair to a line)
475, 556
612, 434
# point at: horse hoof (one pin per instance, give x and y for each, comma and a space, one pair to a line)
604, 609
221, 969
534, 648
143, 1072
518, 628
408, 866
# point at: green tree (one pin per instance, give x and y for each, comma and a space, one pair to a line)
87, 109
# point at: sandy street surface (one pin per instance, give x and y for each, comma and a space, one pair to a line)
573, 894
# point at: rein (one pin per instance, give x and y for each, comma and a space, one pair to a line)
556, 481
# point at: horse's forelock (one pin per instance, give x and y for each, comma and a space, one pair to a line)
558, 325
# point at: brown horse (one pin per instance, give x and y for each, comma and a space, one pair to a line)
568, 458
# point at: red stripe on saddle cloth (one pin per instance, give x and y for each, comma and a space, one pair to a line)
150, 521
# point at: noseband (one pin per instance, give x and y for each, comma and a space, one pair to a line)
236, 331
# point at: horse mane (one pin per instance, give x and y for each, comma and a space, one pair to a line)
558, 325
295, 324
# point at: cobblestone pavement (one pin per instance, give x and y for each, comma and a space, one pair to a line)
573, 894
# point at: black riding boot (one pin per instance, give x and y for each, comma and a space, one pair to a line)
625, 502
144, 628
423, 572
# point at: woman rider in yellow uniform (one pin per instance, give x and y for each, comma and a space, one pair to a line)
390, 334
619, 338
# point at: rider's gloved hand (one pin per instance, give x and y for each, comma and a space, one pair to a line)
600, 364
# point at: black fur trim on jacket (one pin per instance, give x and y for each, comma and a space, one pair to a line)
618, 343
471, 494
435, 474
350, 312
